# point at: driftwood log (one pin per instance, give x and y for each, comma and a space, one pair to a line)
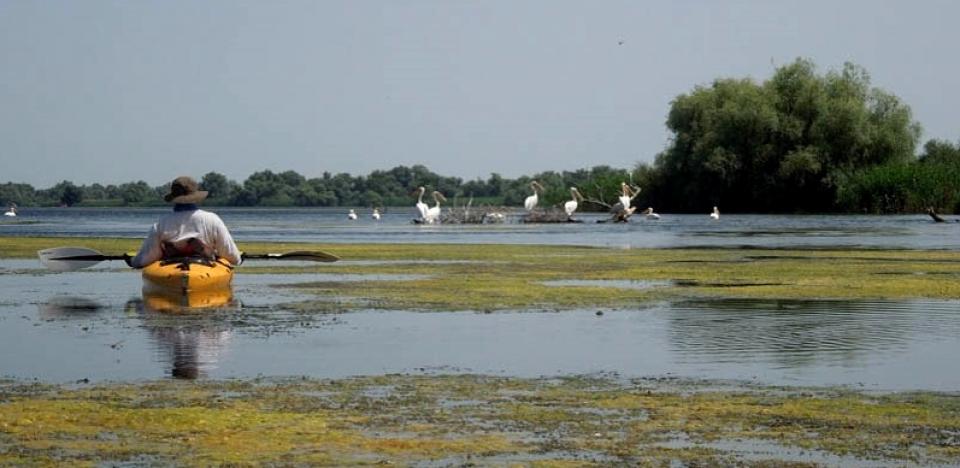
469, 214
936, 217
550, 215
618, 212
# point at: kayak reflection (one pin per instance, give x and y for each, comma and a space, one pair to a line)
175, 302
68, 307
189, 330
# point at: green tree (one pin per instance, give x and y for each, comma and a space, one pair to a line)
135, 193
217, 184
66, 193
940, 152
21, 194
782, 145
932, 181
266, 188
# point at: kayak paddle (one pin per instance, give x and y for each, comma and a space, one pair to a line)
72, 258
306, 255
75, 258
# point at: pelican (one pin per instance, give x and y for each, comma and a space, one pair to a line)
12, 211
626, 195
493, 217
376, 214
650, 214
421, 206
716, 214
352, 215
571, 206
622, 209
433, 213
531, 202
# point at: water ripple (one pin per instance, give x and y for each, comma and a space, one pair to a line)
830, 331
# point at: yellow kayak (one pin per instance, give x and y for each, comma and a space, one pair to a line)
188, 275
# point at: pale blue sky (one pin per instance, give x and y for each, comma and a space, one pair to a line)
116, 91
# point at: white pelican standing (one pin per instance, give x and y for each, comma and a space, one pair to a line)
649, 214
352, 215
376, 214
626, 195
12, 211
421, 206
433, 213
571, 206
716, 214
622, 209
531, 202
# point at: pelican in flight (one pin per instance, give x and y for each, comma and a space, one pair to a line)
376, 214
571, 206
716, 214
649, 214
12, 211
421, 206
531, 202
352, 215
433, 213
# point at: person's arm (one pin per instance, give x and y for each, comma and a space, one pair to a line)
149, 250
224, 245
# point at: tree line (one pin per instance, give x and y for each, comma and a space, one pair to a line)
797, 142
394, 187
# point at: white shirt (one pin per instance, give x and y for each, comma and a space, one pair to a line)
178, 227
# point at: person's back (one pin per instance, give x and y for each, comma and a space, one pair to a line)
188, 231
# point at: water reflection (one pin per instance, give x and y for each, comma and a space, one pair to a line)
801, 333
67, 307
188, 330
75, 326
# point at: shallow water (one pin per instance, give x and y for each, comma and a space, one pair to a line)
331, 225
94, 325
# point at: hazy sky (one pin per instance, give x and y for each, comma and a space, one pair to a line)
111, 92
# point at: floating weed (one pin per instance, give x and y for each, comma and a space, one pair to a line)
517, 277
416, 419
561, 278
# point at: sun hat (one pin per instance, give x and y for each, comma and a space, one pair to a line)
184, 189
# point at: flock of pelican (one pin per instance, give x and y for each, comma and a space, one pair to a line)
622, 210
431, 214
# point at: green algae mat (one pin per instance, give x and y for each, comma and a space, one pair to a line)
470, 420
483, 277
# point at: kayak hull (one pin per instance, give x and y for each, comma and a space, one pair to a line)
188, 275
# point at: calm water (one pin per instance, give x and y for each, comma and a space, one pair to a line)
95, 325
331, 225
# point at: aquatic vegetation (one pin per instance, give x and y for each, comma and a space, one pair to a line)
460, 419
463, 419
519, 277
488, 277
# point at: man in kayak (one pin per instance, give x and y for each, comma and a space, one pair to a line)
187, 231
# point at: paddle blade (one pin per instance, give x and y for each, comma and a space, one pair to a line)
304, 255
69, 258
